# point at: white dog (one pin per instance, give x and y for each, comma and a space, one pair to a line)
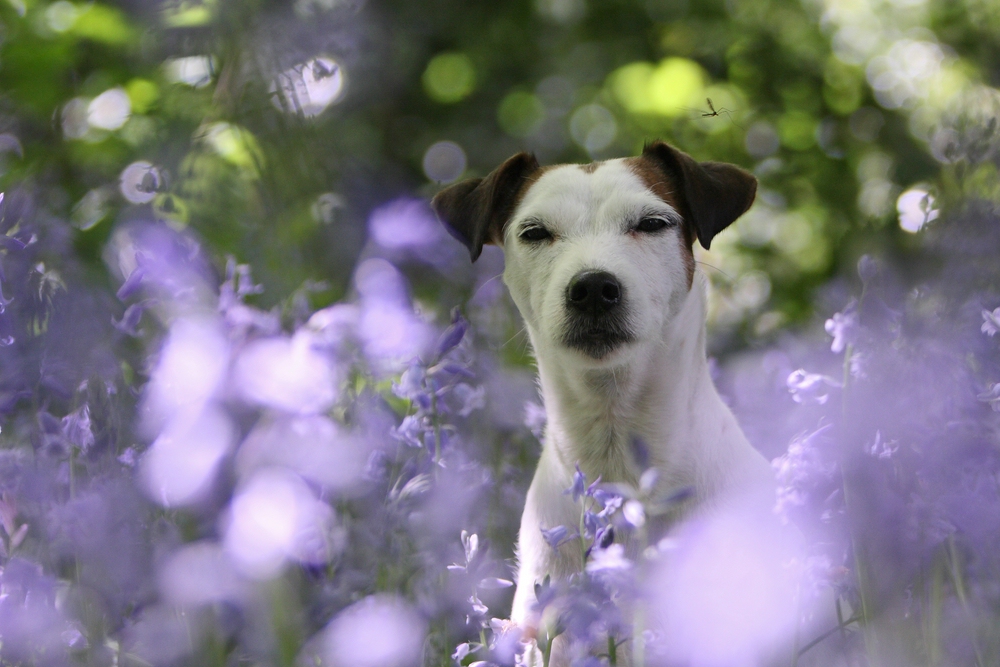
598, 259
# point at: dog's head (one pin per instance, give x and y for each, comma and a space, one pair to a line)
598, 257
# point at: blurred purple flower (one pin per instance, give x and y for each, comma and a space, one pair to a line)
286, 373
810, 388
129, 322
494, 583
133, 282
558, 535
991, 322
411, 385
868, 268
634, 513
881, 449
579, 486
76, 428
412, 430
453, 335
991, 396
534, 418
469, 398
378, 631
843, 327
609, 561
800, 470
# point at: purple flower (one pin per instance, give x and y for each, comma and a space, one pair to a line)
76, 428
558, 535
810, 388
992, 396
867, 268
411, 385
800, 470
991, 322
470, 399
412, 430
534, 418
129, 322
579, 486
609, 561
453, 335
843, 327
881, 449
132, 283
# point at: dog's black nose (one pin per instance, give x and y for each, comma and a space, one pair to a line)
594, 292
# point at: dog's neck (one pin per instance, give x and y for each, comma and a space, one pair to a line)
659, 397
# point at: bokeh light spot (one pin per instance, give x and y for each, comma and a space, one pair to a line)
139, 181
379, 631
286, 374
109, 110
272, 519
449, 77
75, 123
593, 127
668, 89
234, 144
311, 87
916, 209
193, 71
180, 466
444, 162
142, 93
520, 113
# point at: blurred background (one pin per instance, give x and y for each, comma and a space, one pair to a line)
155, 152
274, 130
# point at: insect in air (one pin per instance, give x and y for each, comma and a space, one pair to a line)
714, 113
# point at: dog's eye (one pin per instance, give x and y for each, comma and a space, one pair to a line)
651, 224
534, 234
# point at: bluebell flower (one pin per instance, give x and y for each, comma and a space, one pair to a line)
801, 470
810, 388
412, 430
634, 513
579, 487
608, 561
558, 536
132, 283
461, 651
843, 327
129, 322
469, 398
868, 268
76, 428
453, 335
411, 385
991, 396
991, 322
535, 418
882, 449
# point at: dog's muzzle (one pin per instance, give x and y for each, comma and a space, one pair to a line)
595, 302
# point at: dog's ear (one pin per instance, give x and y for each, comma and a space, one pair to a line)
476, 210
714, 193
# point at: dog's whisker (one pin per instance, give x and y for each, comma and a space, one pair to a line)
485, 283
698, 261
516, 334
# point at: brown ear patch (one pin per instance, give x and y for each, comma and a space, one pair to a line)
475, 211
712, 195
661, 184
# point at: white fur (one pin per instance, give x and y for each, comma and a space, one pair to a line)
656, 388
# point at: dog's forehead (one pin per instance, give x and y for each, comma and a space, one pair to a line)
592, 193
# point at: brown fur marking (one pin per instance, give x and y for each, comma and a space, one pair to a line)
663, 187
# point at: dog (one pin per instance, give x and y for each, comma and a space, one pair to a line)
599, 261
